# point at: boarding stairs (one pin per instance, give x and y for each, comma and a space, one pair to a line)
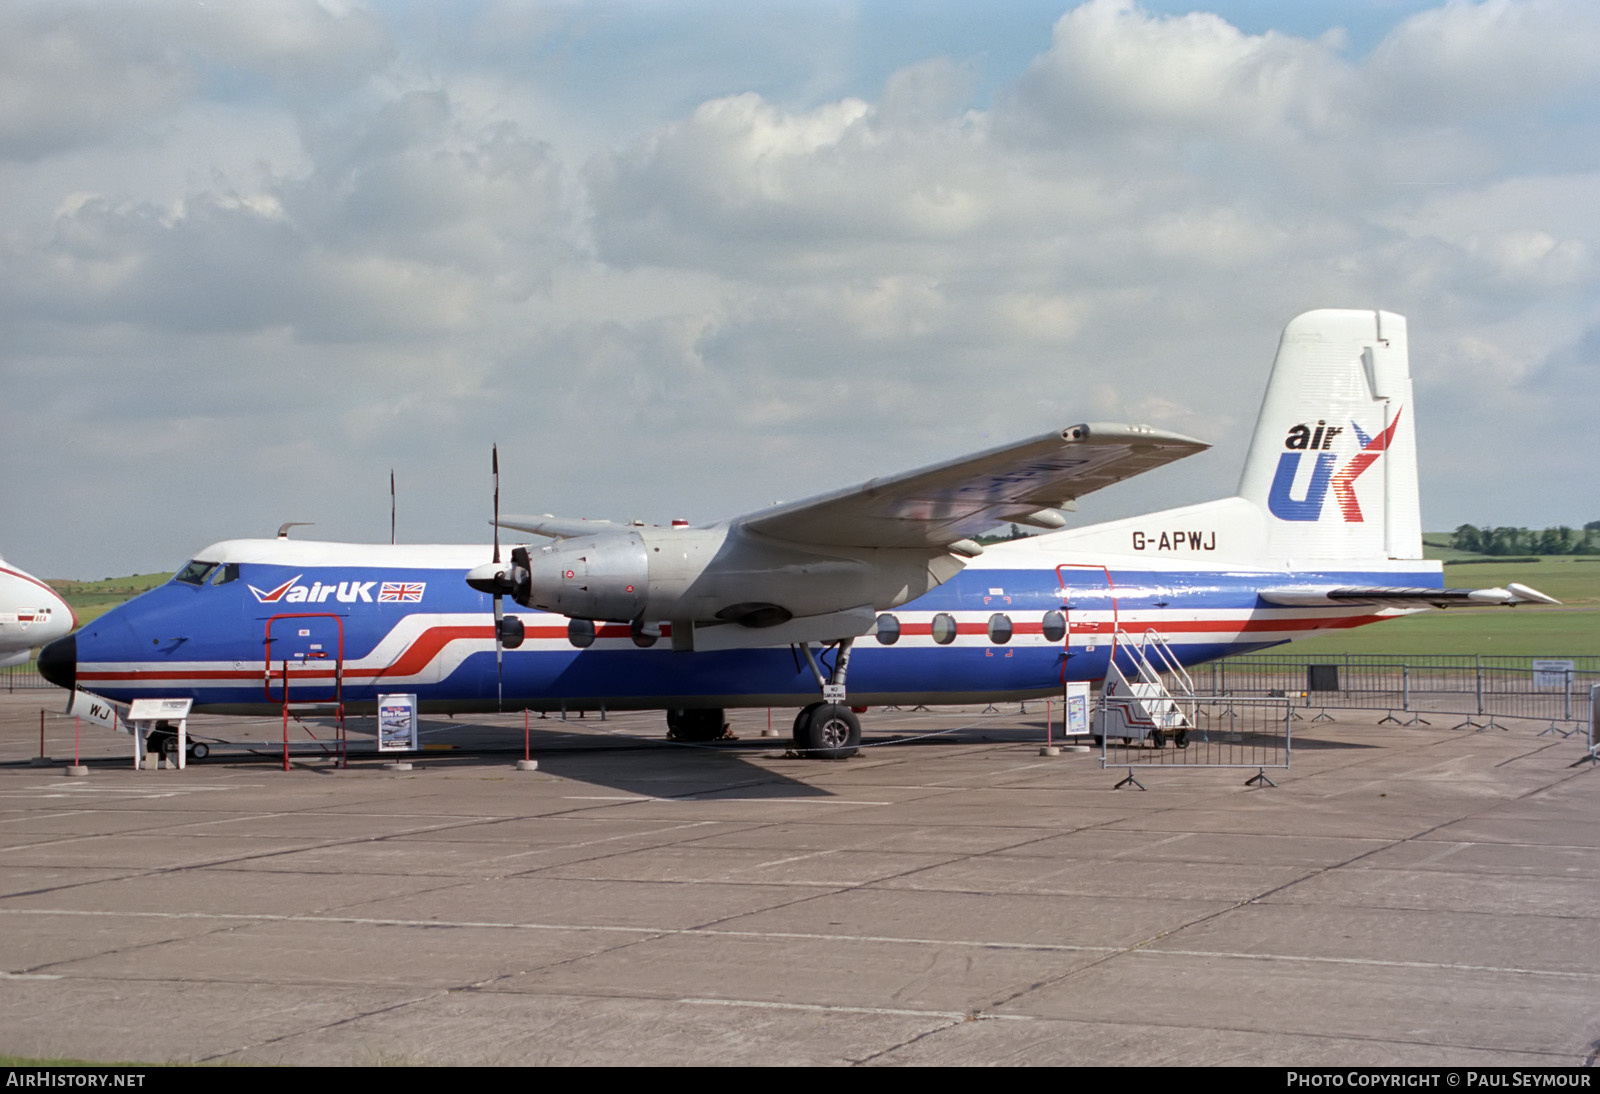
1138, 705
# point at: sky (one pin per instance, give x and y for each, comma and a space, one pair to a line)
686, 259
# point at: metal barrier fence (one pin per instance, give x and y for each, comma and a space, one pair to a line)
23, 678
1594, 723
1468, 686
1225, 731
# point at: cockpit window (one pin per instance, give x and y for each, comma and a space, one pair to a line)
226, 573
196, 572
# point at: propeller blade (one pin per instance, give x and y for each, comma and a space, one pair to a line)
499, 666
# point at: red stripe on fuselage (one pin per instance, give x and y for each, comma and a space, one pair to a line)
431, 642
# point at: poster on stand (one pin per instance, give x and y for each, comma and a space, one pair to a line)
397, 723
1075, 713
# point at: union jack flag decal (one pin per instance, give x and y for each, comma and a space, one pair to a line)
401, 592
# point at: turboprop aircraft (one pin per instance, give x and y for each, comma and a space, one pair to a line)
871, 595
31, 615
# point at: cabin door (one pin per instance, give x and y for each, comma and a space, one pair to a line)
305, 658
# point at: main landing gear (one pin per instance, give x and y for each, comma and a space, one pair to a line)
825, 730
697, 725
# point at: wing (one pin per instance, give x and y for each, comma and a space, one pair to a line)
1322, 596
934, 507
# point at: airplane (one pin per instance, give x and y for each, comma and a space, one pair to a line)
31, 615
877, 594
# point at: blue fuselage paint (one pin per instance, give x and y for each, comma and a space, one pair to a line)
423, 631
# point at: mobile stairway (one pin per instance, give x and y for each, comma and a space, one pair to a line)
1137, 705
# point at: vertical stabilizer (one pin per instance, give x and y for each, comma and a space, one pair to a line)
1333, 463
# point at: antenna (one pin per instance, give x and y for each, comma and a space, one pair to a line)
391, 507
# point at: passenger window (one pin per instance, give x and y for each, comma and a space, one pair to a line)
580, 632
999, 628
195, 573
888, 630
1055, 626
944, 628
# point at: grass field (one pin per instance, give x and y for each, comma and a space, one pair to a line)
1529, 630
92, 599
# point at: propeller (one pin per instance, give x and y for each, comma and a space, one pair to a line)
499, 599
499, 580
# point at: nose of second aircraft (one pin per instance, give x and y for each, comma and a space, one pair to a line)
58, 662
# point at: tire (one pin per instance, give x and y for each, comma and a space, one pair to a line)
1158, 738
800, 721
698, 725
832, 732
1181, 738
199, 750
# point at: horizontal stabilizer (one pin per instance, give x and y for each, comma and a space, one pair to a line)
1321, 596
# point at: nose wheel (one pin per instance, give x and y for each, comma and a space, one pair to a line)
827, 731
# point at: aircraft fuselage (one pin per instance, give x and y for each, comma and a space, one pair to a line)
1015, 624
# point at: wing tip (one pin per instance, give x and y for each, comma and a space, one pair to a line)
1131, 433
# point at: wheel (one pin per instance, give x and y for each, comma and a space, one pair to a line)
695, 725
169, 746
832, 732
199, 750
800, 721
1181, 738
1158, 738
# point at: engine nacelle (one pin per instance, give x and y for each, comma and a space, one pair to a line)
705, 575
600, 577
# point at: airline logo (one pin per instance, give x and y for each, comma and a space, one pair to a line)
345, 592
1305, 438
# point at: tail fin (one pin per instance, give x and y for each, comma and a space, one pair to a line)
1333, 463
1332, 470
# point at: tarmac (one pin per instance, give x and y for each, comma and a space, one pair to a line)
1404, 896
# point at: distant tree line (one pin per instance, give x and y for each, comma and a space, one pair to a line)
1002, 537
1526, 541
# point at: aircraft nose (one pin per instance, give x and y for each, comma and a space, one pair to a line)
58, 662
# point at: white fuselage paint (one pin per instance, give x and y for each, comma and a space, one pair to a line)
31, 614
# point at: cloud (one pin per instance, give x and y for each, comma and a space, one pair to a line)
409, 222
296, 246
1111, 65
79, 73
1468, 63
